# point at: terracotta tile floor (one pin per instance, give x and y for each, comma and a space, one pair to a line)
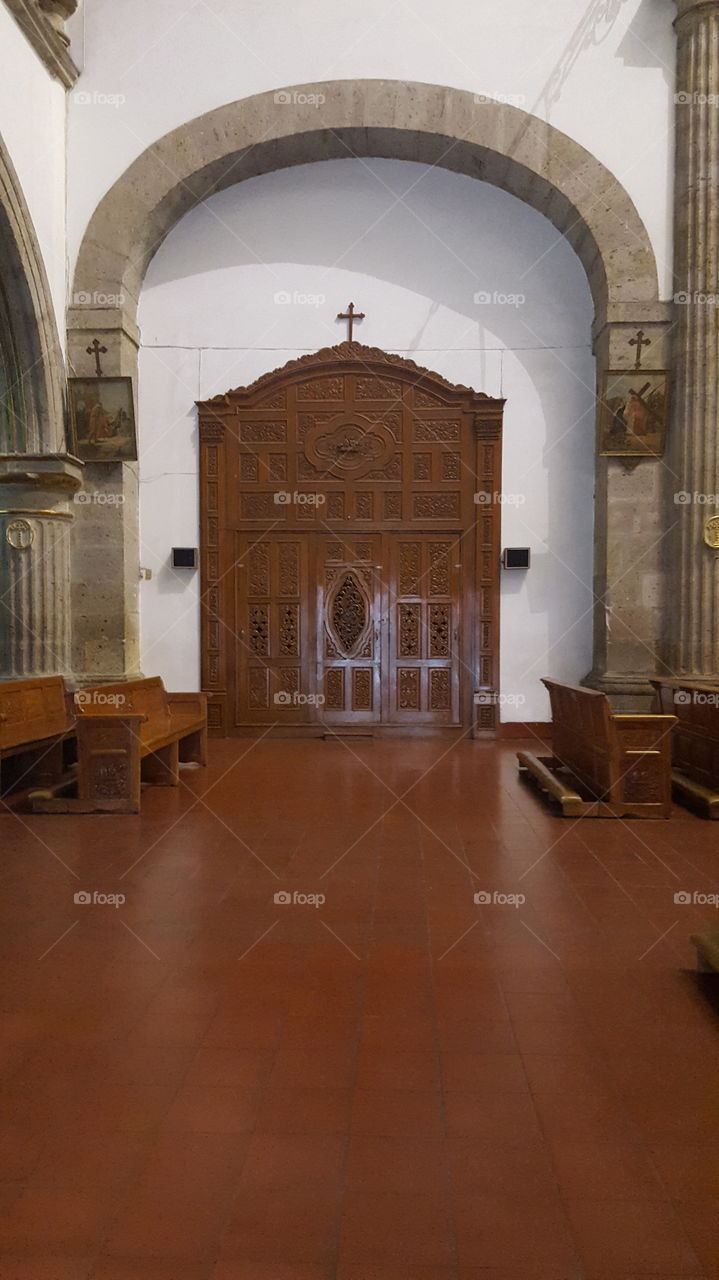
205, 1084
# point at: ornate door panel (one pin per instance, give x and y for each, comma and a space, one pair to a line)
272, 653
348, 612
425, 638
355, 447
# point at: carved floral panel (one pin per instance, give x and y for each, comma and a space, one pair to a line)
261, 432
322, 389
362, 689
408, 688
409, 568
409, 633
439, 689
426, 429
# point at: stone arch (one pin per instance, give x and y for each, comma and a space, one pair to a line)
35, 337
451, 128
456, 130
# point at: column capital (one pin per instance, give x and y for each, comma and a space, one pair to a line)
695, 10
43, 22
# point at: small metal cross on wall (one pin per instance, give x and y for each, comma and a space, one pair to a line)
639, 342
350, 315
96, 350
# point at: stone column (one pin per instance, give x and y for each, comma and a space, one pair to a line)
692, 604
629, 528
36, 514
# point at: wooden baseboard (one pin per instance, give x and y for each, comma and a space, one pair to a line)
526, 729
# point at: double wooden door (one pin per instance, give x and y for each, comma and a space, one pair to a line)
353, 629
350, 547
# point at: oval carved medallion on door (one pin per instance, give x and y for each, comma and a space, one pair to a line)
349, 448
348, 615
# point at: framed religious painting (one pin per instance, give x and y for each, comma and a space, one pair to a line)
102, 419
633, 413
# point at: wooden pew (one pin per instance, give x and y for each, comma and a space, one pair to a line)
695, 741
36, 727
602, 765
129, 733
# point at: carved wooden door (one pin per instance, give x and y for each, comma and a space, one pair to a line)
349, 629
390, 644
336, 494
272, 650
427, 663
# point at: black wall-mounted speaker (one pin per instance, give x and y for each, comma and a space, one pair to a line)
515, 557
184, 557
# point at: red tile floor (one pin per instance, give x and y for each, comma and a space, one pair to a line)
202, 1083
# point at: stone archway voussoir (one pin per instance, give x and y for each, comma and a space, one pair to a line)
431, 124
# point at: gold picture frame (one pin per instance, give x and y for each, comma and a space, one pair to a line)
102, 419
633, 413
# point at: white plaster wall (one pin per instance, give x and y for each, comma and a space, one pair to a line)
32, 125
600, 70
412, 247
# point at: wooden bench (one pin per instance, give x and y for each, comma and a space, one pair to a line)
695, 741
36, 726
129, 733
602, 765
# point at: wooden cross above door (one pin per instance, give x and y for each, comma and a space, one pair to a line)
350, 315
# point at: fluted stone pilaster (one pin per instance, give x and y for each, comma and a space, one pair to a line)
36, 514
34, 622
695, 417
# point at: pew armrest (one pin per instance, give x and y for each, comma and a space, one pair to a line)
642, 719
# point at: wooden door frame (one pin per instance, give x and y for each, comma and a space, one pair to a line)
220, 420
